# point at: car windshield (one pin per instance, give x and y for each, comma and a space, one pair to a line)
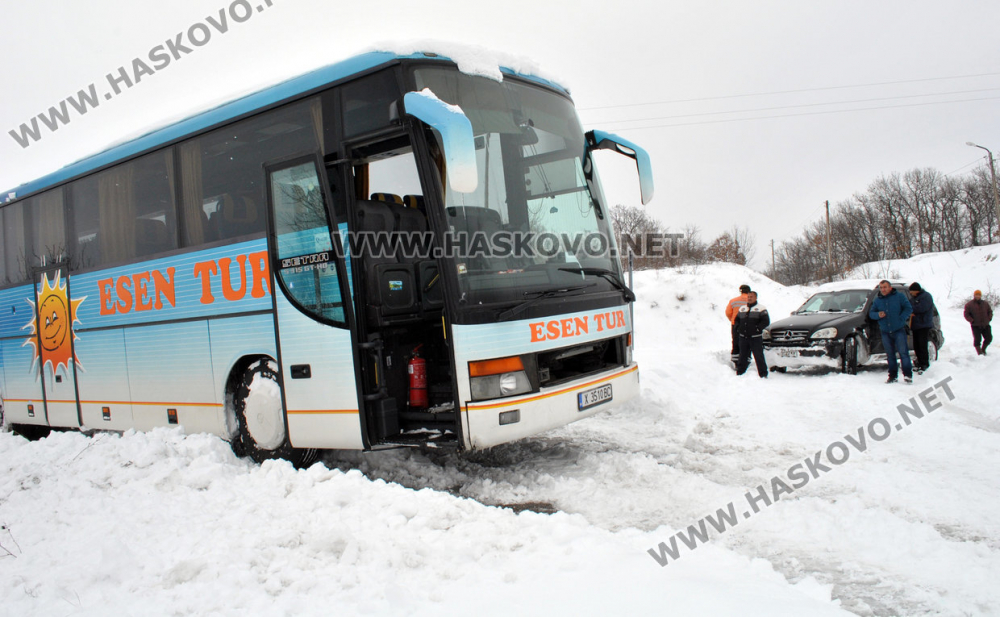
850, 301
532, 193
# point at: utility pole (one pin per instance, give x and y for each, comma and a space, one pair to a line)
993, 175
829, 243
774, 269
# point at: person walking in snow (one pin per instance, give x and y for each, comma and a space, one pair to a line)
979, 314
892, 310
731, 309
751, 320
921, 323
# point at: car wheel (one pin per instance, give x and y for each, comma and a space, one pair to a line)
932, 351
849, 363
260, 418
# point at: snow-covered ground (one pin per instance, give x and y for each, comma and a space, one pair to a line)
163, 524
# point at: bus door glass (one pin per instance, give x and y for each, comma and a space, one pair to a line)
53, 340
314, 342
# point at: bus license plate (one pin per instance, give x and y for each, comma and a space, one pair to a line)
788, 353
594, 396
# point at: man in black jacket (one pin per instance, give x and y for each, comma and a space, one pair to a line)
979, 314
921, 324
750, 323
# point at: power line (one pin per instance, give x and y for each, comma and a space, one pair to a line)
808, 113
851, 102
966, 165
734, 96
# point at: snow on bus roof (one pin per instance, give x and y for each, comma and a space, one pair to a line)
472, 60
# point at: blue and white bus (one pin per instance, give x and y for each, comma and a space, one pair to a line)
210, 274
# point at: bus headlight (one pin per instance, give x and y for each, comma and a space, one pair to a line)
489, 379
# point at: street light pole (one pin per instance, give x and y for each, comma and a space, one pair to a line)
993, 174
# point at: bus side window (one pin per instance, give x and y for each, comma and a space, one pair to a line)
48, 238
124, 212
223, 194
14, 270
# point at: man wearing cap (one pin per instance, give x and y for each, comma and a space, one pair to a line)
979, 314
921, 323
732, 309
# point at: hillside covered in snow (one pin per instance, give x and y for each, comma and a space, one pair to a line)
573, 521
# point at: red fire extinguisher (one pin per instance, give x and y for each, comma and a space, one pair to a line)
417, 369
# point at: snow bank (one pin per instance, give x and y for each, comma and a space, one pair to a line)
162, 523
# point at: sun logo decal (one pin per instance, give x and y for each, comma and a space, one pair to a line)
51, 326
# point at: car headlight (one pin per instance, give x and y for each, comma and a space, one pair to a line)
766, 335
825, 333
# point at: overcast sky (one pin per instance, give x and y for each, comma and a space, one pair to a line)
682, 79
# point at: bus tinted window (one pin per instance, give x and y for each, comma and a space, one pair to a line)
367, 101
125, 212
48, 237
223, 179
13, 264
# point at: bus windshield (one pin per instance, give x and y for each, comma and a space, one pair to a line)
533, 221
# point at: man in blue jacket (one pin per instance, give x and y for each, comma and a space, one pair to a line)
892, 310
921, 323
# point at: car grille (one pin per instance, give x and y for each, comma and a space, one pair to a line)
789, 337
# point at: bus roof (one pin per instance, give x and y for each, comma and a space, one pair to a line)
284, 91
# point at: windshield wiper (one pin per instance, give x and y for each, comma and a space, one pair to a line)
609, 276
517, 309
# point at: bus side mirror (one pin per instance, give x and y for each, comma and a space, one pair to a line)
456, 136
599, 140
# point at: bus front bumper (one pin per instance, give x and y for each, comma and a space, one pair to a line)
498, 421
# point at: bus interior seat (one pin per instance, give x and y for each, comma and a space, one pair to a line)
410, 214
388, 198
151, 236
208, 232
381, 271
237, 216
412, 217
477, 219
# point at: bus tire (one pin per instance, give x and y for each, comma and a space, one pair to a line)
260, 418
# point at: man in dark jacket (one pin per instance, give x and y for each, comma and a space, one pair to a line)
732, 308
892, 310
750, 323
921, 324
979, 313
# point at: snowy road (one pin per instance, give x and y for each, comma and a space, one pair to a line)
911, 526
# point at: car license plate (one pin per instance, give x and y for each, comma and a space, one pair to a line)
594, 396
788, 353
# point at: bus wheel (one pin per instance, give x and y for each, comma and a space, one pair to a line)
260, 420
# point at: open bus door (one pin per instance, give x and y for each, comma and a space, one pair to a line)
53, 340
314, 345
